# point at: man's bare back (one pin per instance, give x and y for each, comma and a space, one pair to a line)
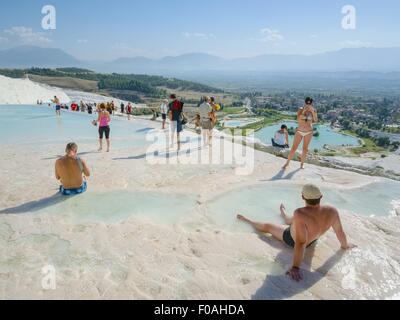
69, 171
315, 221
56, 100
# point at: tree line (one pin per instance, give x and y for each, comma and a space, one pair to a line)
153, 86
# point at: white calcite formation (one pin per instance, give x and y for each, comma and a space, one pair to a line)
49, 249
25, 91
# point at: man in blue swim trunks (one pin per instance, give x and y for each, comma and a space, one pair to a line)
306, 226
58, 105
72, 171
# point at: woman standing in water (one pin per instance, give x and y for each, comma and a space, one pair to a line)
104, 120
306, 117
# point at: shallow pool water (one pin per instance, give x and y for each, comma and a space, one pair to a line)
238, 123
39, 124
327, 136
118, 206
23, 124
262, 202
233, 124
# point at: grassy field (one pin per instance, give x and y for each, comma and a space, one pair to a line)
67, 83
273, 118
368, 145
266, 121
234, 110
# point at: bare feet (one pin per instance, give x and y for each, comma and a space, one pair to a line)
349, 246
283, 211
287, 220
285, 166
101, 149
242, 218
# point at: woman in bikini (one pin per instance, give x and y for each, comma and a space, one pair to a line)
306, 117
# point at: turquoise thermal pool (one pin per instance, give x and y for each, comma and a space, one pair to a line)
326, 136
39, 124
262, 202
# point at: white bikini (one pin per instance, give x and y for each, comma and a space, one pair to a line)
306, 118
304, 134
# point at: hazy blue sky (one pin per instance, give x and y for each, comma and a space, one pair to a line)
104, 29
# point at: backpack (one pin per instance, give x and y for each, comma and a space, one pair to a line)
176, 105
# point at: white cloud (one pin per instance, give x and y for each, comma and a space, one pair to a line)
199, 35
3, 39
25, 35
82, 41
271, 35
355, 44
313, 36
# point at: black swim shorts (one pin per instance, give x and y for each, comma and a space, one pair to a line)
104, 130
287, 238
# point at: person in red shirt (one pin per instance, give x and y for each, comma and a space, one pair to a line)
175, 111
129, 110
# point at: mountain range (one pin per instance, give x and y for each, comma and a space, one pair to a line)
360, 59
31, 56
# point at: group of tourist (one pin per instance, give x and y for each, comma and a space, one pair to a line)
170, 109
82, 107
124, 109
205, 120
90, 108
301, 231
